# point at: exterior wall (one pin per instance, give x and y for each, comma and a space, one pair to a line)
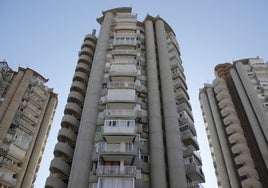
126, 131
26, 114
239, 100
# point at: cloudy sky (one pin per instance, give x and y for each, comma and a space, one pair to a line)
47, 35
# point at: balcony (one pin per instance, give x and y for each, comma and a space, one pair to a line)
105, 182
76, 97
194, 185
26, 125
53, 181
118, 152
70, 121
64, 150
79, 87
123, 171
57, 165
119, 127
120, 113
6, 163
9, 181
194, 172
83, 67
121, 95
81, 77
86, 55
67, 135
74, 109
121, 85
188, 138
39, 93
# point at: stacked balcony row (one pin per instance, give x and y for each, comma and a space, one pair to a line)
63, 152
236, 136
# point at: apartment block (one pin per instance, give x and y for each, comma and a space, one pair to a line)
235, 111
27, 108
128, 122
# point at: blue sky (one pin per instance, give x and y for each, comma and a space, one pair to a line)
47, 35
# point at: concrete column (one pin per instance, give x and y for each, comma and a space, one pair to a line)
11, 103
221, 168
80, 169
39, 142
176, 167
258, 132
223, 140
157, 150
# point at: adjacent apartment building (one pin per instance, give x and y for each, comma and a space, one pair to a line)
27, 108
128, 121
235, 111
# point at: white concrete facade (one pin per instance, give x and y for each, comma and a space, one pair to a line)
128, 121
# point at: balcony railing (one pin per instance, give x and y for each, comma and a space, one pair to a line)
119, 112
119, 126
121, 85
116, 148
116, 170
5, 178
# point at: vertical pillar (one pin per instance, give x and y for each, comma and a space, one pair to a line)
223, 140
157, 150
176, 168
38, 145
223, 175
80, 169
13, 103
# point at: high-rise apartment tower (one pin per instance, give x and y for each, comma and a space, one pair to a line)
26, 111
128, 122
235, 111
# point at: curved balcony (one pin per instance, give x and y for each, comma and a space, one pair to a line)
67, 135
240, 149
223, 94
251, 182
244, 159
64, 150
248, 171
54, 182
70, 121
237, 138
81, 77
225, 102
229, 110
74, 109
83, 67
89, 44
234, 128
219, 84
85, 59
79, 87
76, 97
57, 165
230, 119
87, 52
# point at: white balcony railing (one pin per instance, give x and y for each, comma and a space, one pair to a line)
117, 170
119, 126
119, 112
120, 85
